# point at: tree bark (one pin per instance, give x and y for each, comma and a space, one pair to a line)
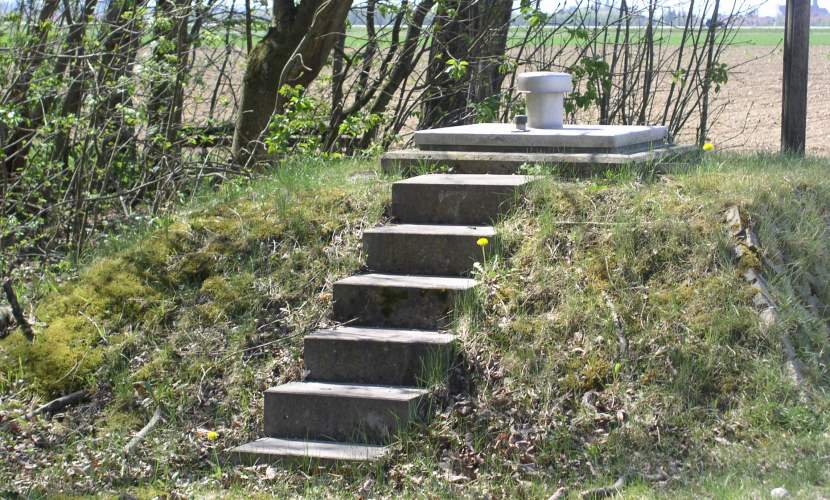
471, 32
120, 38
493, 22
164, 109
77, 78
292, 52
15, 142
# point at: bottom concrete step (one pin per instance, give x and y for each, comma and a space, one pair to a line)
341, 412
268, 450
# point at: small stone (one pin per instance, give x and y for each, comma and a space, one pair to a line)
779, 493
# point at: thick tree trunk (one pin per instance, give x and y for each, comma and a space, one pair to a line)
471, 33
77, 77
167, 96
120, 38
15, 142
493, 22
292, 52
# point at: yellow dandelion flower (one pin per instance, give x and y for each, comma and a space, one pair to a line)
212, 435
482, 242
708, 147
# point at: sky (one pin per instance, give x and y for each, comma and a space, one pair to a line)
765, 7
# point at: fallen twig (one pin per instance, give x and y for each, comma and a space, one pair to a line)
17, 311
143, 432
618, 327
60, 403
605, 491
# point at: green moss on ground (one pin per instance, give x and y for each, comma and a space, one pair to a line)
614, 335
241, 256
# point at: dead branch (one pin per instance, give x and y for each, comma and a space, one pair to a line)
60, 403
17, 312
748, 244
605, 491
559, 494
618, 327
156, 418
5, 321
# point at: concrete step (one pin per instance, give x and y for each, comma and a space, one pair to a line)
398, 301
270, 450
424, 249
455, 199
377, 355
366, 414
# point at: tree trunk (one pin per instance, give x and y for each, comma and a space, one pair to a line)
120, 38
493, 22
77, 78
15, 142
291, 53
164, 109
468, 42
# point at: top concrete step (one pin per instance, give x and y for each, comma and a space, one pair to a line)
455, 199
467, 180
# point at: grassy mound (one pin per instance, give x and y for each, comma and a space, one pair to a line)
613, 336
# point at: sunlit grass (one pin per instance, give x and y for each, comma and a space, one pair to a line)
697, 402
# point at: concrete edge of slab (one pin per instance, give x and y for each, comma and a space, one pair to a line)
570, 138
341, 390
432, 230
408, 281
271, 450
383, 335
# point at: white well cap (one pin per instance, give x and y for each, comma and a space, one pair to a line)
544, 82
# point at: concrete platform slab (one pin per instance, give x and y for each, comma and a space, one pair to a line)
503, 137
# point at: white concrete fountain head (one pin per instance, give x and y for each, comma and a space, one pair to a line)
545, 97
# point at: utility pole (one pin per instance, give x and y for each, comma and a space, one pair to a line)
796, 58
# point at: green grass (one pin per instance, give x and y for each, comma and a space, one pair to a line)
203, 313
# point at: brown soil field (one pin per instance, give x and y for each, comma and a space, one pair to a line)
750, 119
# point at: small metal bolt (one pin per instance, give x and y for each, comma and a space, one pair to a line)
521, 122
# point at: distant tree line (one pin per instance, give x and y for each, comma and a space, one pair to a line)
115, 109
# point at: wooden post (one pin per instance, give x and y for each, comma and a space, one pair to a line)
796, 58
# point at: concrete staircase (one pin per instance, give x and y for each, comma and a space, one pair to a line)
363, 379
